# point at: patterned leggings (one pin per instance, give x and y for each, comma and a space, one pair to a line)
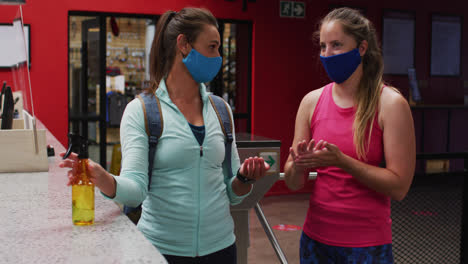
313, 252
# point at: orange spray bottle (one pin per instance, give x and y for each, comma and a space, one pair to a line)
82, 187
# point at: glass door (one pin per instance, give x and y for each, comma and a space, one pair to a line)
233, 81
108, 67
86, 110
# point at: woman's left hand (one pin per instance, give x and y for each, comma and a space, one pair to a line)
325, 154
254, 168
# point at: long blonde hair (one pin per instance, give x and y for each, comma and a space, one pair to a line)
368, 94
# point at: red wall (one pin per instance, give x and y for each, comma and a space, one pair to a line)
285, 65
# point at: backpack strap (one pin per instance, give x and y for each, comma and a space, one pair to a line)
153, 125
225, 120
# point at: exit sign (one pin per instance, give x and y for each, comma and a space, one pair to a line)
292, 9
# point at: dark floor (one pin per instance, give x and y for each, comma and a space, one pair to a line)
426, 225
285, 210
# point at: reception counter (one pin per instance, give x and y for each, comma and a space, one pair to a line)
36, 224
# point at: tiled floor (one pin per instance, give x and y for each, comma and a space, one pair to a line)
279, 210
426, 225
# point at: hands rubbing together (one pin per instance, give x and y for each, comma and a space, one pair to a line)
311, 155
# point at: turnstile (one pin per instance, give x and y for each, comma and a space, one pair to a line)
250, 146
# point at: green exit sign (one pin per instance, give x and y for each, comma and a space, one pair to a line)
292, 9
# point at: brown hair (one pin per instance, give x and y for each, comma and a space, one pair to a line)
368, 95
190, 23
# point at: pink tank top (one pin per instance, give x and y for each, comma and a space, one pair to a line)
342, 211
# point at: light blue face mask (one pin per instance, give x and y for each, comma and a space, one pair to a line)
203, 69
340, 67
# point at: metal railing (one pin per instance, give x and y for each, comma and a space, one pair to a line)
266, 226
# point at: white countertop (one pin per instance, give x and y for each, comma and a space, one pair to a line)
36, 224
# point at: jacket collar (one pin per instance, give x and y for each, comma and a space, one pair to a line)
162, 93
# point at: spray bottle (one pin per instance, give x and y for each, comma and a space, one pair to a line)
82, 187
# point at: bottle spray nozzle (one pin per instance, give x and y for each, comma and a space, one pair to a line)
79, 144
71, 140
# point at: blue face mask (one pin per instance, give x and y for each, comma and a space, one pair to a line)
340, 67
203, 69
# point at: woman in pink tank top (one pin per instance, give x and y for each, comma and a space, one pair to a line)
344, 131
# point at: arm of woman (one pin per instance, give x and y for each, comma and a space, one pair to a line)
132, 185
399, 147
252, 168
236, 191
295, 175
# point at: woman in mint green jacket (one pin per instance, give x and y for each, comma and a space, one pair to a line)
186, 210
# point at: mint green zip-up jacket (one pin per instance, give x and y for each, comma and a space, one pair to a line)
186, 210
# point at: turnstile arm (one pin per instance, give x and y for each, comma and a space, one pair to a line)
270, 234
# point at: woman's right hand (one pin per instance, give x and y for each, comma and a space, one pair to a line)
96, 173
69, 162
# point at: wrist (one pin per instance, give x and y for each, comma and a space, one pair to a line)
298, 169
109, 187
244, 179
240, 188
344, 162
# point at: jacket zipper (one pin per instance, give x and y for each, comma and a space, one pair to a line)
199, 191
199, 186
199, 203
197, 236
